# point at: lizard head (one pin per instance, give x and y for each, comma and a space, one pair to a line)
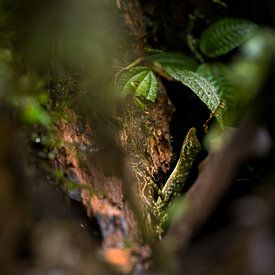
191, 145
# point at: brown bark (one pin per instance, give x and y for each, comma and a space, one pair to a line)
113, 179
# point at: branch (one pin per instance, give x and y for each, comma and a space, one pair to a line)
250, 140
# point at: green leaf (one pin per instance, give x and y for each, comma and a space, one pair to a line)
139, 80
148, 87
200, 86
124, 84
175, 60
216, 73
34, 113
225, 35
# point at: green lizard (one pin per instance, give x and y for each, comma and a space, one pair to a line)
176, 180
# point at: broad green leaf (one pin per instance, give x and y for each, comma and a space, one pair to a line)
217, 75
139, 80
200, 86
175, 60
225, 35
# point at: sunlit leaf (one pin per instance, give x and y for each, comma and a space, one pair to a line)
139, 80
225, 35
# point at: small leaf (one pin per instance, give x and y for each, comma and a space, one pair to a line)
139, 80
175, 60
225, 35
200, 86
126, 81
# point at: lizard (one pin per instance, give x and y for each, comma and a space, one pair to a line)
173, 186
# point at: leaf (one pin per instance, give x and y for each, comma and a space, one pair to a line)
125, 80
216, 74
148, 87
175, 60
34, 113
200, 86
225, 35
139, 80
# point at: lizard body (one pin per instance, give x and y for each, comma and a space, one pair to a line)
176, 180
